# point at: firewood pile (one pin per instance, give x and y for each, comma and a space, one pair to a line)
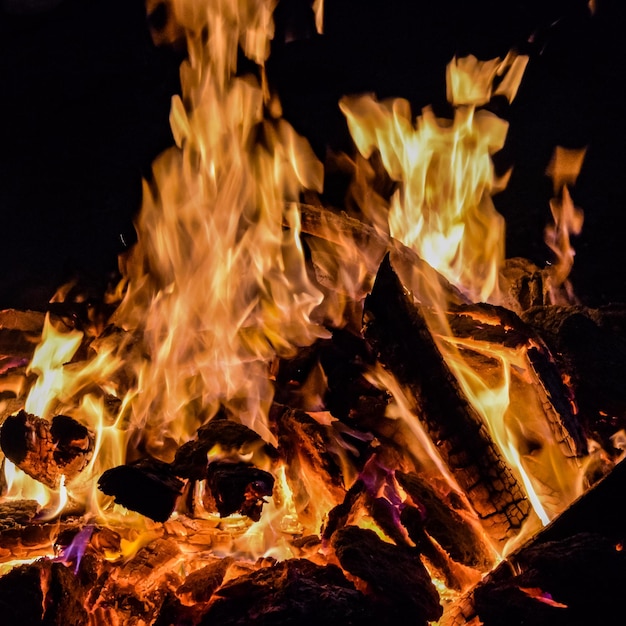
397, 542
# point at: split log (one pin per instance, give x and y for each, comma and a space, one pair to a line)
239, 488
400, 336
395, 576
590, 347
568, 573
147, 486
45, 450
495, 325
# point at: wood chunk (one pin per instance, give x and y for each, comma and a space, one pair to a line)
147, 486
295, 591
43, 593
239, 488
590, 347
398, 332
200, 585
572, 581
231, 438
446, 520
45, 450
396, 576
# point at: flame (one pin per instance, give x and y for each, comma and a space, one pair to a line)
443, 208
219, 287
564, 168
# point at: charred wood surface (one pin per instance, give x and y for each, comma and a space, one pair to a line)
446, 520
147, 486
569, 573
45, 450
239, 488
395, 576
291, 592
400, 336
590, 347
230, 438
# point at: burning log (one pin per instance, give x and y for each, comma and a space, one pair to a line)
43, 593
44, 450
239, 488
309, 449
444, 519
500, 326
590, 348
395, 576
397, 330
295, 591
225, 438
569, 573
147, 486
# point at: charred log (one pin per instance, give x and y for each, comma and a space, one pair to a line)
398, 332
234, 440
239, 488
43, 593
292, 592
148, 486
590, 347
447, 520
395, 576
569, 573
45, 450
308, 449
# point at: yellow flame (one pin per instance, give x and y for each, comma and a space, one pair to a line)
226, 287
53, 352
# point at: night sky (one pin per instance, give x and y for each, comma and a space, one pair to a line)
86, 94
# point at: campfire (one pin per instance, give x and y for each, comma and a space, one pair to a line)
287, 411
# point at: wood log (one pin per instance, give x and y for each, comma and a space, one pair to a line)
294, 591
445, 518
496, 325
45, 450
398, 332
227, 439
395, 576
147, 486
312, 467
590, 348
239, 488
568, 573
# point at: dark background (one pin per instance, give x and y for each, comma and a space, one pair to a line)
85, 98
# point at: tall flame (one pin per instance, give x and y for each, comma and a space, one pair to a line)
218, 286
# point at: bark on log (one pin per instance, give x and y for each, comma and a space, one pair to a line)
590, 347
399, 335
45, 450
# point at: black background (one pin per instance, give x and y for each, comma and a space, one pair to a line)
85, 98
